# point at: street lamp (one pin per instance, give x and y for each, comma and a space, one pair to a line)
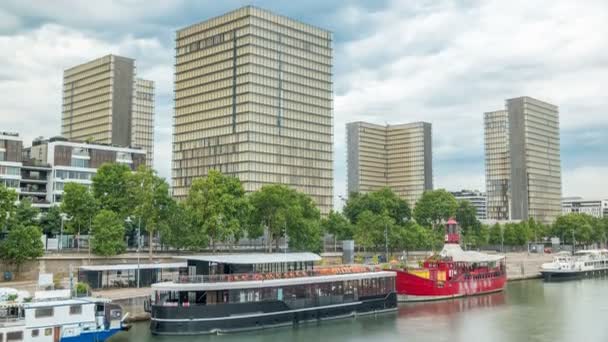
64, 217
129, 221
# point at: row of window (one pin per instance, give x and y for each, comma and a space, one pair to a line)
9, 170
49, 312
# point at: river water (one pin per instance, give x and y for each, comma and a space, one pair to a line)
527, 311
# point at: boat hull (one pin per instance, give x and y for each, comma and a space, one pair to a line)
278, 314
412, 288
95, 336
551, 276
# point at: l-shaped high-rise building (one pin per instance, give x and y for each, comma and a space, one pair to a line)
254, 99
396, 156
523, 167
103, 102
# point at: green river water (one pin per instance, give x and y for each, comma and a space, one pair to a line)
526, 311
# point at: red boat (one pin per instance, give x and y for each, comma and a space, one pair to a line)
452, 273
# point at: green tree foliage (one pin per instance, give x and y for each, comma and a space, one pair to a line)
78, 203
338, 225
50, 221
8, 197
219, 207
280, 209
112, 185
151, 201
179, 230
378, 202
582, 226
22, 243
434, 208
108, 234
25, 214
412, 236
495, 234
371, 229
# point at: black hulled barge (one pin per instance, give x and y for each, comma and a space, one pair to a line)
238, 292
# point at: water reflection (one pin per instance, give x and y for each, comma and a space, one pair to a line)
451, 307
527, 311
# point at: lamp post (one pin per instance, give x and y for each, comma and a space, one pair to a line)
64, 217
129, 221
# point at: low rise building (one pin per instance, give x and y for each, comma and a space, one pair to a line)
476, 198
49, 164
11, 147
594, 207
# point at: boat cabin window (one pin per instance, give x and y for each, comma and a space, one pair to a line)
337, 292
48, 331
75, 309
35, 333
14, 336
43, 312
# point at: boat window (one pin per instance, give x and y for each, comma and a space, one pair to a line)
75, 309
35, 333
48, 332
14, 336
43, 312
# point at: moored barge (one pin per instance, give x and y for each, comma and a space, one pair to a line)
452, 273
583, 264
238, 292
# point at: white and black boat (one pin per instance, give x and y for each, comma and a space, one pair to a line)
582, 264
231, 293
56, 316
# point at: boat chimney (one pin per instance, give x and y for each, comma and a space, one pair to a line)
452, 232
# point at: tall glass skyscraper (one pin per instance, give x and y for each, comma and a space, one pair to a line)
104, 103
523, 161
253, 99
396, 156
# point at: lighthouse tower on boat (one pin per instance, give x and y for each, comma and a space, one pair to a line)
452, 232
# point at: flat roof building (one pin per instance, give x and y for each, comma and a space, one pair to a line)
394, 156
476, 198
594, 207
65, 161
523, 167
254, 99
104, 102
11, 146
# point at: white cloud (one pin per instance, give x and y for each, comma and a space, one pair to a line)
447, 64
585, 181
32, 71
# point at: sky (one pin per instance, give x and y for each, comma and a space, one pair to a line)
445, 62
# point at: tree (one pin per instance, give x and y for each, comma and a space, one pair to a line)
412, 236
8, 197
179, 230
108, 234
50, 222
219, 207
371, 229
112, 187
283, 211
466, 216
151, 201
337, 225
378, 202
496, 234
435, 207
79, 203
25, 214
22, 243
577, 225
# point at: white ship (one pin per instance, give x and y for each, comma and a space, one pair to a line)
55, 316
582, 264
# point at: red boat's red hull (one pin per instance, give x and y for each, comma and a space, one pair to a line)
411, 287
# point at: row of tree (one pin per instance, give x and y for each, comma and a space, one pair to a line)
218, 211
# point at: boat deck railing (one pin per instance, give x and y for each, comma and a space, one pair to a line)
323, 271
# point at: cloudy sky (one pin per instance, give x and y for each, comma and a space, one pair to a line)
445, 62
